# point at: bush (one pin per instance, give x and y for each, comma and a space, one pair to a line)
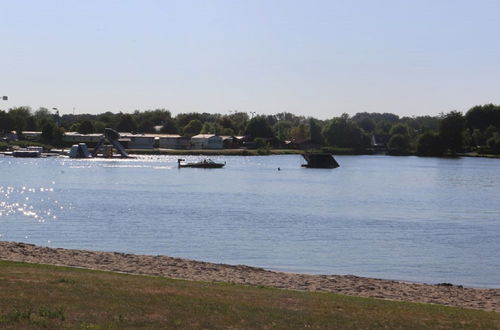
399, 144
263, 151
494, 144
430, 144
4, 146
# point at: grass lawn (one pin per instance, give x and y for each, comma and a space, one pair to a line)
40, 296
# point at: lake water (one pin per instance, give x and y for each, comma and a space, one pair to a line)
418, 219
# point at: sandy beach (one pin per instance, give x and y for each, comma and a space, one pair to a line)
444, 294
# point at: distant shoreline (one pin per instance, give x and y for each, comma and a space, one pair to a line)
257, 152
443, 294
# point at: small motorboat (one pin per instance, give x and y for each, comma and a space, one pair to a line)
206, 163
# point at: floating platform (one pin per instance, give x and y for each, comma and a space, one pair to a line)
320, 160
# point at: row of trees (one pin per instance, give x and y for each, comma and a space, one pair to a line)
451, 133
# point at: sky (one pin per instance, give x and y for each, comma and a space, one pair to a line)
312, 57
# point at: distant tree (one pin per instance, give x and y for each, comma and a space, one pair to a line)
169, 127
482, 116
315, 131
6, 122
146, 125
108, 118
383, 127
226, 122
494, 144
57, 136
127, 124
288, 117
42, 115
158, 116
30, 124
48, 132
400, 129
211, 128
367, 124
450, 131
299, 133
239, 120
75, 127
421, 124
430, 144
99, 127
376, 117
23, 112
259, 127
282, 129
192, 128
343, 132
262, 145
478, 138
86, 127
227, 132
490, 131
20, 115
399, 143
19, 124
183, 119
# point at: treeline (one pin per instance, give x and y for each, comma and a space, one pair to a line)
450, 133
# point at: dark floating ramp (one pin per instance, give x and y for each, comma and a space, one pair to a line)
112, 137
320, 160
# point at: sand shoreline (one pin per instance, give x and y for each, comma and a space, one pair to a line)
485, 299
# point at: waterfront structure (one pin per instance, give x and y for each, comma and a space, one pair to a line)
137, 141
129, 140
172, 141
32, 135
75, 138
206, 141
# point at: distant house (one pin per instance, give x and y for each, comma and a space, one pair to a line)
75, 138
240, 139
229, 142
137, 141
184, 142
206, 141
172, 141
32, 135
11, 136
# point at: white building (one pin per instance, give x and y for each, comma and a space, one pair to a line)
206, 141
75, 137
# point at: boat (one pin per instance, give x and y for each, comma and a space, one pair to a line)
320, 160
31, 152
206, 163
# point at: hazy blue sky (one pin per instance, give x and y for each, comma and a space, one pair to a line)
313, 58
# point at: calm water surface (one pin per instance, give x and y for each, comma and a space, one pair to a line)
418, 219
